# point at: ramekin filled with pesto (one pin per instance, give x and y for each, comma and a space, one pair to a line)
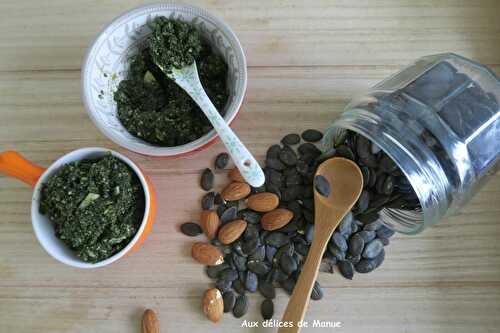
135, 104
89, 208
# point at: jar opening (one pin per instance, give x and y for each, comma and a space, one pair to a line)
421, 175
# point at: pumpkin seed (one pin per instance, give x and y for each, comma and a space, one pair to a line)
207, 179
327, 265
368, 265
336, 252
372, 226
288, 285
275, 164
218, 199
346, 152
346, 269
291, 193
259, 254
291, 139
312, 135
228, 274
229, 299
363, 202
388, 185
373, 249
317, 292
276, 239
191, 229
309, 149
240, 262
223, 285
288, 264
367, 235
385, 232
345, 225
363, 150
251, 281
249, 216
339, 241
213, 271
384, 241
267, 289
229, 215
270, 252
258, 267
322, 185
240, 306
267, 309
288, 157
250, 246
239, 287
356, 244
273, 151
353, 259
221, 161
309, 234
302, 249
293, 179
208, 201
387, 164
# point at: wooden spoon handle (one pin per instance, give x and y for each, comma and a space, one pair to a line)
297, 305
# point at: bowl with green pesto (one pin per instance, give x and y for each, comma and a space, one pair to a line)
135, 104
91, 207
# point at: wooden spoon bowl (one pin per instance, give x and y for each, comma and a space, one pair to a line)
346, 183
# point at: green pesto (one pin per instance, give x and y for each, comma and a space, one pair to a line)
152, 107
95, 205
174, 44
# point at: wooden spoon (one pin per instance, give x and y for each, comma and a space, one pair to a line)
346, 183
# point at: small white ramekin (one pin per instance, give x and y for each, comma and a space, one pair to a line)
107, 62
15, 165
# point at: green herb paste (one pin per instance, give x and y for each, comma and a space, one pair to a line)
96, 206
151, 106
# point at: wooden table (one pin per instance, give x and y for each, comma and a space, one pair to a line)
306, 59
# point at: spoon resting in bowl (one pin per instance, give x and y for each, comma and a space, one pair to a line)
187, 78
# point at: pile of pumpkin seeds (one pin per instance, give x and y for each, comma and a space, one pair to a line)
263, 260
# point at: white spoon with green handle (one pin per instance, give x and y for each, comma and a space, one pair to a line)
187, 78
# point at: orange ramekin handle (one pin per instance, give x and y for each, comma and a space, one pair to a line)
14, 165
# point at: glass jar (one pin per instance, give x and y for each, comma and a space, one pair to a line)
439, 120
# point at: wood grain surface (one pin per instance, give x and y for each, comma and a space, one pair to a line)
306, 59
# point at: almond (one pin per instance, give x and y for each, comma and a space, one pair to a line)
276, 219
209, 222
236, 176
231, 231
235, 191
213, 305
150, 323
263, 202
207, 254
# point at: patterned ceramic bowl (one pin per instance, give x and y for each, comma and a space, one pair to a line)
107, 61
